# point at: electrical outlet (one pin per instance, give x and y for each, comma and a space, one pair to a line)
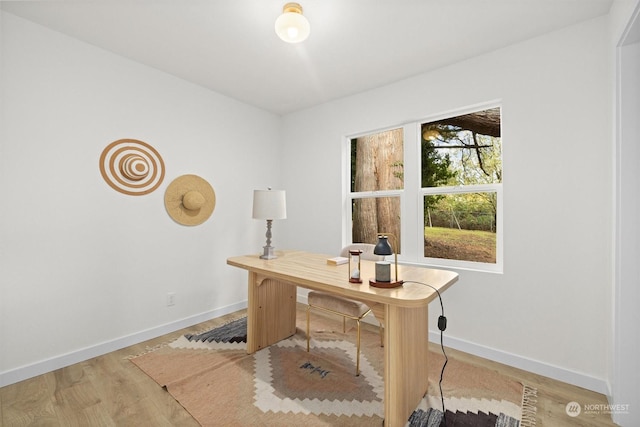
171, 299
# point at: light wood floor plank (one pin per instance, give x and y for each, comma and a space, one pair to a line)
111, 391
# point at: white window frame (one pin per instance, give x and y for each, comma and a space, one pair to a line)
348, 195
412, 197
496, 267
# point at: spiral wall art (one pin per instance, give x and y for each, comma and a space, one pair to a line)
131, 167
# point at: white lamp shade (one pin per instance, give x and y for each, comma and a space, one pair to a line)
292, 27
269, 204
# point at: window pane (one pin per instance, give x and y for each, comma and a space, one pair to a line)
461, 226
462, 150
373, 215
377, 161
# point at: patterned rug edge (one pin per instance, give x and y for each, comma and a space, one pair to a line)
166, 343
529, 406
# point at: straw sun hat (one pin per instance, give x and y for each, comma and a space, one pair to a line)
189, 200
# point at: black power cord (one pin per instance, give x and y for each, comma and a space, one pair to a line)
442, 325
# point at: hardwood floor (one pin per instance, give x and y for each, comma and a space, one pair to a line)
111, 391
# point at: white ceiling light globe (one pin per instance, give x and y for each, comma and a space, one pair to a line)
292, 26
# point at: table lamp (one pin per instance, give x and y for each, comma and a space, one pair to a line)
383, 268
269, 204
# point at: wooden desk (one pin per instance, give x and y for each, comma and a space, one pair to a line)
271, 314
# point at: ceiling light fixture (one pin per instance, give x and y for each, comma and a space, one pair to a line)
292, 26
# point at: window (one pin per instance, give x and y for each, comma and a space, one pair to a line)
377, 181
461, 183
443, 178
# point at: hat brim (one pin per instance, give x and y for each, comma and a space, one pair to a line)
175, 192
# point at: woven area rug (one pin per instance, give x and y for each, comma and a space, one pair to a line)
214, 379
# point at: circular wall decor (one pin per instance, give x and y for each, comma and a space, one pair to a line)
131, 167
189, 200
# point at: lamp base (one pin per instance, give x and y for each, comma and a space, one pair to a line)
269, 253
395, 284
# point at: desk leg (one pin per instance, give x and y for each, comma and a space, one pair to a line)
271, 312
406, 351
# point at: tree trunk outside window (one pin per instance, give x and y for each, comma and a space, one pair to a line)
379, 166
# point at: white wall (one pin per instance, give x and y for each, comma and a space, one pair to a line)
551, 309
82, 267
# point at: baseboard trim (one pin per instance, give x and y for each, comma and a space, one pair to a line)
29, 371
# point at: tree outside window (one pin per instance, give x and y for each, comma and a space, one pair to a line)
377, 168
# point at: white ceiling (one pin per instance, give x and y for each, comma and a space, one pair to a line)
355, 45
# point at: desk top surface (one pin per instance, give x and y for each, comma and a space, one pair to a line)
311, 271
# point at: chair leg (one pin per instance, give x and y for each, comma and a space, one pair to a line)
344, 329
381, 334
308, 310
358, 349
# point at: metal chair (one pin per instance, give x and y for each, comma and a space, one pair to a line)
343, 306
